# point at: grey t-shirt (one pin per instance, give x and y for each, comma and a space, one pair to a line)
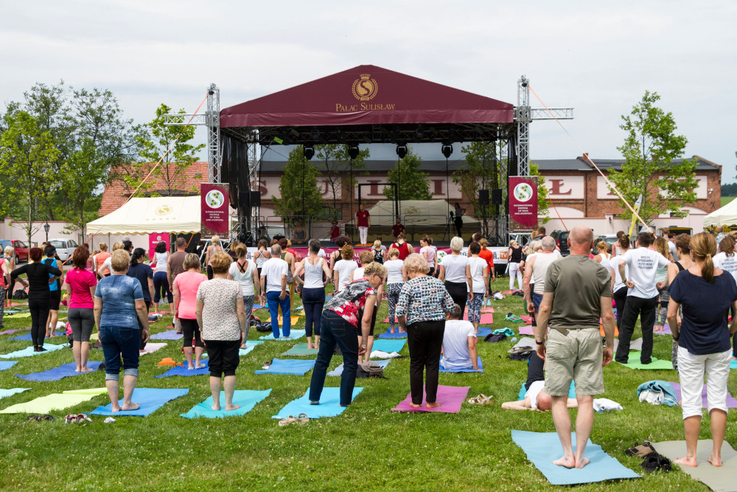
578, 283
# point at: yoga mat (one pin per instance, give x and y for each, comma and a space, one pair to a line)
634, 362
720, 479
338, 371
732, 365
8, 332
49, 403
10, 392
28, 351
61, 372
246, 399
25, 314
300, 350
183, 371
293, 335
150, 348
288, 367
149, 399
250, 345
665, 332
571, 391
27, 336
167, 335
484, 331
487, 309
87, 391
390, 336
731, 402
293, 318
467, 369
526, 318
526, 330
542, 448
329, 405
7, 364
258, 306
634, 344
389, 345
450, 398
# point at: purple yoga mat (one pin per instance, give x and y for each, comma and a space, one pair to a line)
450, 398
526, 330
666, 332
8, 332
731, 402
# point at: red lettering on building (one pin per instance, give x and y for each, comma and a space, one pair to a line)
555, 187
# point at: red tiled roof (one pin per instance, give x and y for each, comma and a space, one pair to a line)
117, 193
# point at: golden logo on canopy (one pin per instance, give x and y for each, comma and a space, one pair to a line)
164, 210
365, 88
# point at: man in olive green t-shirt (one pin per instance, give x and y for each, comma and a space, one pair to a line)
577, 292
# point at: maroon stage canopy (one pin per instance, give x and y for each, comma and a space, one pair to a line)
366, 95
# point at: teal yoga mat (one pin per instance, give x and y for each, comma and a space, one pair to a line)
329, 405
246, 399
389, 345
288, 367
300, 350
293, 335
149, 399
542, 448
633, 362
28, 351
10, 392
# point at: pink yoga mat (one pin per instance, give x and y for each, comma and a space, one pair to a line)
487, 310
731, 402
526, 318
8, 332
450, 398
486, 319
526, 330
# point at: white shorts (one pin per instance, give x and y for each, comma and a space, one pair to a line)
692, 369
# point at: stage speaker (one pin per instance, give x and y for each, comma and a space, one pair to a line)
483, 198
243, 199
255, 198
496, 197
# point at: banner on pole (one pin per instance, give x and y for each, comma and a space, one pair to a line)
214, 209
522, 203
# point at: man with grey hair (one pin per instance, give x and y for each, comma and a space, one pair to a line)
577, 292
274, 289
536, 267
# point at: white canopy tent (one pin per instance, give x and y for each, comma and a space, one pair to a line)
176, 214
725, 216
416, 212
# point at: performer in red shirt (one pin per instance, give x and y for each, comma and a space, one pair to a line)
397, 229
363, 222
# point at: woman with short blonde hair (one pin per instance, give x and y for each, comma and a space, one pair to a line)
455, 271
396, 276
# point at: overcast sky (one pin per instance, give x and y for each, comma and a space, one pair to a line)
596, 58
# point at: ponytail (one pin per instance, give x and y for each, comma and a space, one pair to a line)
137, 254
707, 271
703, 247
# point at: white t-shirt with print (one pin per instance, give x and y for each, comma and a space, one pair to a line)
643, 266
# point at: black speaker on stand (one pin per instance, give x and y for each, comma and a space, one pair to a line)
483, 198
496, 197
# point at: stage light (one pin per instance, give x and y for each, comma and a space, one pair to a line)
309, 152
353, 152
419, 133
447, 150
315, 134
401, 150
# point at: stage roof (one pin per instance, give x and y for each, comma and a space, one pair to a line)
370, 104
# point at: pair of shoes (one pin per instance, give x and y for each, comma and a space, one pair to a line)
644, 449
41, 349
481, 400
302, 418
655, 462
76, 418
37, 418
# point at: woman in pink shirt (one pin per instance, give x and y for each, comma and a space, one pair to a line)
185, 301
81, 284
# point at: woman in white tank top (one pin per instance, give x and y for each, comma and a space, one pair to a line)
161, 277
396, 276
316, 272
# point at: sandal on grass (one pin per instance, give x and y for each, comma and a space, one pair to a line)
641, 451
479, 400
302, 418
287, 421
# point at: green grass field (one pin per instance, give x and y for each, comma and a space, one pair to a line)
367, 447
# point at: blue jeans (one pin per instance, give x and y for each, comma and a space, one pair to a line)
117, 341
313, 300
274, 303
336, 330
161, 287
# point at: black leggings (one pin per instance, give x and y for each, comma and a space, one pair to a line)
191, 329
425, 339
39, 315
620, 299
459, 292
142, 345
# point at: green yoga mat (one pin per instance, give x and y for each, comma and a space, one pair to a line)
49, 403
634, 363
300, 350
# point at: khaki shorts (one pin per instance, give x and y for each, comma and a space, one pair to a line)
575, 356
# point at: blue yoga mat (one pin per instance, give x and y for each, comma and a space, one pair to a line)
571, 391
391, 336
250, 345
28, 351
293, 335
733, 364
544, 447
389, 346
329, 405
167, 335
183, 371
7, 364
484, 331
338, 371
27, 337
61, 372
246, 399
10, 392
288, 366
467, 369
149, 399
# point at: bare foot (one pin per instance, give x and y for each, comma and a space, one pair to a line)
415, 405
686, 461
391, 329
215, 407
78, 370
86, 369
717, 462
228, 408
132, 406
115, 408
309, 346
567, 462
434, 405
243, 345
582, 462
200, 366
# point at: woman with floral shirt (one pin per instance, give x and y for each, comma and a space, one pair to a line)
421, 309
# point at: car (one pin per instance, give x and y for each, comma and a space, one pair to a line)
64, 247
561, 240
21, 250
609, 239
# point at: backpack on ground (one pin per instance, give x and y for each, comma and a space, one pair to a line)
370, 370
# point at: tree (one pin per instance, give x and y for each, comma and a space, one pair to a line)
333, 162
412, 184
649, 150
29, 156
156, 138
300, 195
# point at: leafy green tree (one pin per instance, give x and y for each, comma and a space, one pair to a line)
300, 195
29, 156
649, 149
334, 164
412, 184
154, 141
